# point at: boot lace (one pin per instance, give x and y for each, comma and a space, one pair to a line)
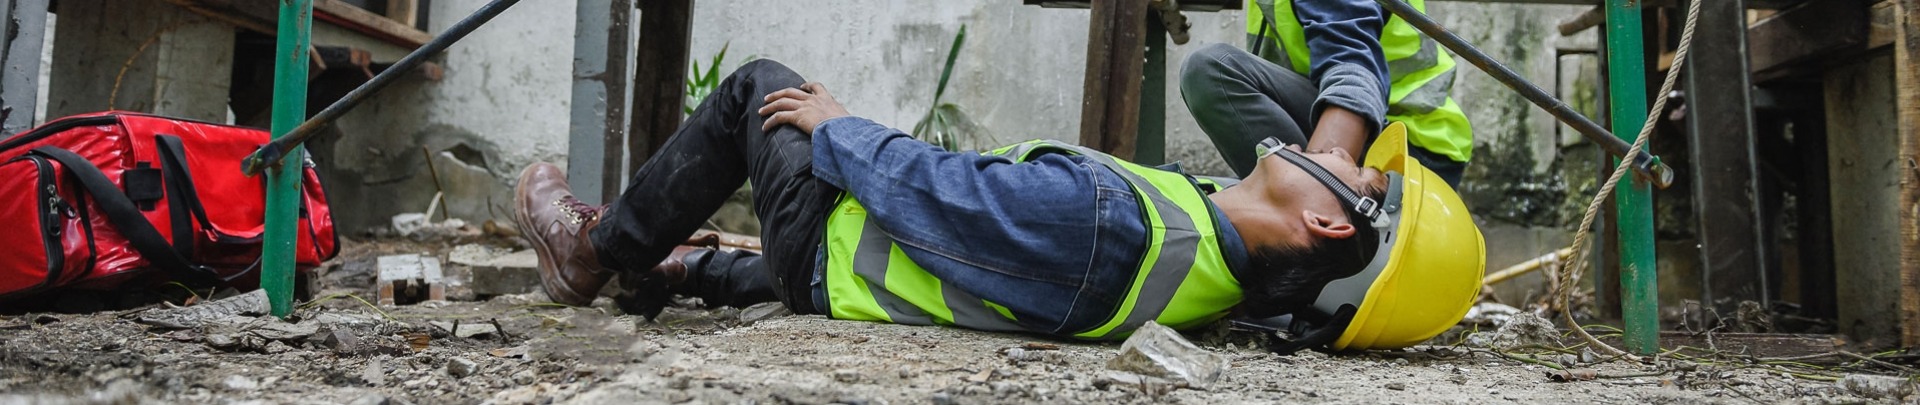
577, 212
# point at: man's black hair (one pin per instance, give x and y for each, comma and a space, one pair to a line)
1282, 279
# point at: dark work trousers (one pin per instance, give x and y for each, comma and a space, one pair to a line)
719, 148
1239, 99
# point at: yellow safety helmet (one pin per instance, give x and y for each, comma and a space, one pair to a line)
1426, 272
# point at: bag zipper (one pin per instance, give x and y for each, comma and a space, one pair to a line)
50, 222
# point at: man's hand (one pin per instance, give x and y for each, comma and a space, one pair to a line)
804, 107
1339, 128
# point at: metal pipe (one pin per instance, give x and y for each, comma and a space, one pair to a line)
1645, 165
271, 153
1627, 84
283, 184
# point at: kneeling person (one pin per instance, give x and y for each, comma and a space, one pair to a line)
862, 222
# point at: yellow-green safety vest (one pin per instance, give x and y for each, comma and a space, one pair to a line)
1421, 95
1182, 282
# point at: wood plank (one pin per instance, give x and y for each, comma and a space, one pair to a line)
366, 22
1867, 172
1816, 31
1726, 182
405, 12
659, 80
1751, 344
260, 16
1116, 52
1906, 67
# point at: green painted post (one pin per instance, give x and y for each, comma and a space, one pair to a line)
1150, 139
1627, 89
283, 181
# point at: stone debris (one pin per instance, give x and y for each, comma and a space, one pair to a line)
764, 311
1489, 314
1160, 352
462, 367
419, 226
250, 304
375, 373
1876, 387
494, 271
240, 383
1522, 329
408, 279
468, 330
340, 341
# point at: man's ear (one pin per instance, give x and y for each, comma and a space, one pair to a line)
1327, 227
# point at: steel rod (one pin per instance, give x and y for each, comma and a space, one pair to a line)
283, 184
273, 152
1645, 165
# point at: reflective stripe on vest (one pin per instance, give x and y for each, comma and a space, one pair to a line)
1183, 281
1422, 73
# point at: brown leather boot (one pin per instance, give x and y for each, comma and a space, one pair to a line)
647, 293
556, 224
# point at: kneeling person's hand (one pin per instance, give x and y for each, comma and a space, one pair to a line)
804, 107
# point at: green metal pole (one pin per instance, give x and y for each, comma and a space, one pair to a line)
283, 182
1627, 86
1150, 139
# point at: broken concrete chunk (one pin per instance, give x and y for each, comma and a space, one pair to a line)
1159, 351
1522, 329
468, 330
410, 278
764, 311
495, 272
1876, 387
462, 367
1490, 314
340, 341
240, 383
249, 304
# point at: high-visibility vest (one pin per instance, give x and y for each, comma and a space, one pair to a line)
1182, 282
1422, 85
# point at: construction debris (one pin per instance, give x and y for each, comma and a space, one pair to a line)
250, 304
1877, 387
409, 279
1522, 329
494, 271
1160, 352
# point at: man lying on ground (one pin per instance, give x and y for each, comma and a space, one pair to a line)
862, 222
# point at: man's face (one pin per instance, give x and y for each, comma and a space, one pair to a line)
1311, 211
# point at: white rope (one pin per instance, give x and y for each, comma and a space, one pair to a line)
1569, 271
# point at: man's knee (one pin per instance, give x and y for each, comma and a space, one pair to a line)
1203, 68
768, 71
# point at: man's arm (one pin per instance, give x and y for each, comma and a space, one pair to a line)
1350, 67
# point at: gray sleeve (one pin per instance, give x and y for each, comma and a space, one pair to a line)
1356, 89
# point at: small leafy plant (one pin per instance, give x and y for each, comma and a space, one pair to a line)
700, 84
945, 124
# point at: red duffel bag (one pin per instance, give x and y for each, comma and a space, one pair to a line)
117, 199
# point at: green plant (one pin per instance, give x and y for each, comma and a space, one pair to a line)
945, 124
700, 84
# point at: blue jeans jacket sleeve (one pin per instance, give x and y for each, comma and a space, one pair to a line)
1053, 239
1348, 62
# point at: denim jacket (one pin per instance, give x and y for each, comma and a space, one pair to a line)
1056, 239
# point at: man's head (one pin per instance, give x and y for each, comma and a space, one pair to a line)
1298, 233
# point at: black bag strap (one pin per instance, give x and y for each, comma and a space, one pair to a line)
180, 192
126, 218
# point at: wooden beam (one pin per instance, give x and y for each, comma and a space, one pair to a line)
366, 22
1906, 74
260, 16
1816, 31
1116, 52
660, 75
405, 12
1726, 186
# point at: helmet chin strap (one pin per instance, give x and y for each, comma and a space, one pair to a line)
1364, 207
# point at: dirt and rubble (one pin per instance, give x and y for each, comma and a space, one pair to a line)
517, 348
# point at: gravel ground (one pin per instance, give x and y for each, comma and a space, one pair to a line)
517, 349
